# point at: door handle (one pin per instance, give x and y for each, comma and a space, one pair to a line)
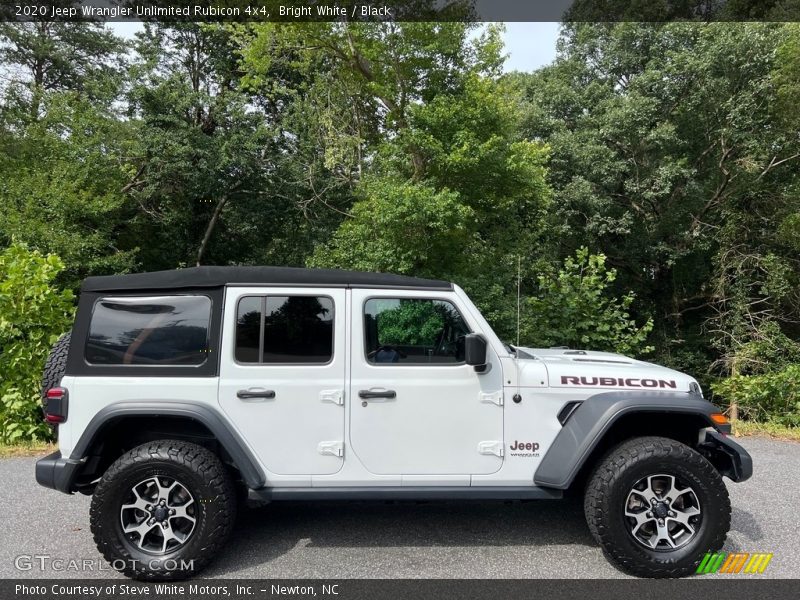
370, 394
255, 394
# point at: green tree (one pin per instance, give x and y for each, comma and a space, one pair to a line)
668, 156
211, 159
33, 314
63, 162
575, 307
42, 57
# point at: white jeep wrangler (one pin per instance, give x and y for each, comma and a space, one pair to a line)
179, 391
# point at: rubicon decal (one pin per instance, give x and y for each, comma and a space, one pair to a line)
632, 382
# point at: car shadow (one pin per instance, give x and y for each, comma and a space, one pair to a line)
267, 533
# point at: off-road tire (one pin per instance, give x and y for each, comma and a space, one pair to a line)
55, 366
607, 491
203, 475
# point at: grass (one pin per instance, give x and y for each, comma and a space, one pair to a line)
26, 449
768, 429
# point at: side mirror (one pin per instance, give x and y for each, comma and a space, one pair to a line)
475, 350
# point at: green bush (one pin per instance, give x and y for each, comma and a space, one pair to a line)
772, 397
575, 307
33, 313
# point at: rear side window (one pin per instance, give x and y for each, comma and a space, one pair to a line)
162, 330
284, 330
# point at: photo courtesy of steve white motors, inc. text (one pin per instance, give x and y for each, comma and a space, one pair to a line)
173, 589
253, 11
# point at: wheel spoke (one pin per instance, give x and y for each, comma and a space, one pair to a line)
683, 516
662, 534
180, 512
165, 491
140, 503
641, 519
142, 529
169, 535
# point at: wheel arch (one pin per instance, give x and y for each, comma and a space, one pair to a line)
119, 427
605, 420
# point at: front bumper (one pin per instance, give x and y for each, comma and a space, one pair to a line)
58, 473
727, 456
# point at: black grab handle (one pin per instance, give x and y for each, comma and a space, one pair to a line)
365, 394
247, 394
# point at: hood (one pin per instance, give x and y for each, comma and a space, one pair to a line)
603, 370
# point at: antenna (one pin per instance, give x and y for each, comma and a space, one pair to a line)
519, 280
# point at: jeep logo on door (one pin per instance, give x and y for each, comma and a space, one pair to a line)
519, 448
618, 382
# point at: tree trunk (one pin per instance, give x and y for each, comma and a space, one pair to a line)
210, 229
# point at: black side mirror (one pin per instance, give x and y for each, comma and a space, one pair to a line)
474, 350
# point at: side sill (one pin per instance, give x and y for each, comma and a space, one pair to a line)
407, 493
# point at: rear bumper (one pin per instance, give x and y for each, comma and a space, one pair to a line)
730, 458
55, 472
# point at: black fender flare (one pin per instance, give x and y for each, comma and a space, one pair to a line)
229, 439
588, 423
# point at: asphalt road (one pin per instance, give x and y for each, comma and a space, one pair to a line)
465, 540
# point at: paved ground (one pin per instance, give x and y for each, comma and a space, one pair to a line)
473, 540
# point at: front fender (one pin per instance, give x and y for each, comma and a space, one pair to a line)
588, 423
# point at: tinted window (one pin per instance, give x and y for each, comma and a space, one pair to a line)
164, 330
413, 331
248, 329
284, 329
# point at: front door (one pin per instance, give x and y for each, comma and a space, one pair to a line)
415, 407
282, 376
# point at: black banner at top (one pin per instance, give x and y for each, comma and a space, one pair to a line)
401, 10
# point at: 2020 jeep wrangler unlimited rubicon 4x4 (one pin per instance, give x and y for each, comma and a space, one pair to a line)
178, 391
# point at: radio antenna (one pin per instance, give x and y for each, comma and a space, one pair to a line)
519, 280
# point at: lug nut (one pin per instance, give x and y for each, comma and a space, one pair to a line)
172, 511
649, 515
165, 525
671, 514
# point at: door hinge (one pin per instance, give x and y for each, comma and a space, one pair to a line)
334, 396
331, 448
492, 397
495, 448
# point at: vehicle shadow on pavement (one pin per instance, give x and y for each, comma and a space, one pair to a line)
267, 533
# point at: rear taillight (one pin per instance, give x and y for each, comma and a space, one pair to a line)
56, 408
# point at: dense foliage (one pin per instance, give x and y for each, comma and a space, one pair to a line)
33, 313
664, 155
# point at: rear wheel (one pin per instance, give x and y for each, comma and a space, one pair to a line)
163, 510
656, 507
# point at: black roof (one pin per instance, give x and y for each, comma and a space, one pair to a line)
210, 277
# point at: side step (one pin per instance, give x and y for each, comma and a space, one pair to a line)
408, 493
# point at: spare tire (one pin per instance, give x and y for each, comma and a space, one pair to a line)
55, 366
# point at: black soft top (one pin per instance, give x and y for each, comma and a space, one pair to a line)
211, 277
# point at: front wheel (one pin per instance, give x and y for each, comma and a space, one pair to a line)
656, 507
163, 510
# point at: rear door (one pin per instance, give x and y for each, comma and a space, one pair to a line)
282, 375
417, 408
